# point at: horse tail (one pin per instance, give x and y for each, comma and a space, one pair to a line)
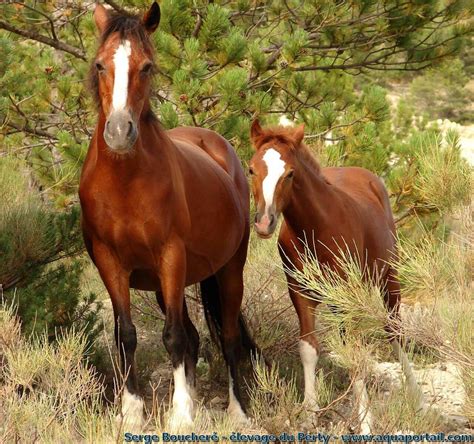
212, 310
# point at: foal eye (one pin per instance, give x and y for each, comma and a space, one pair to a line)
251, 172
100, 68
147, 68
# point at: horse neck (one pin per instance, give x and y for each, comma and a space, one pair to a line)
158, 149
311, 198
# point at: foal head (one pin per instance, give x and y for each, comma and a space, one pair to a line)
121, 71
272, 169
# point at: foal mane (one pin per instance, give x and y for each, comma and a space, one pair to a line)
128, 26
284, 136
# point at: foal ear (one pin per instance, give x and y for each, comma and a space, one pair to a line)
298, 135
255, 131
151, 19
101, 17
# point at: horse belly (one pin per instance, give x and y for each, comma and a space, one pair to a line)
218, 220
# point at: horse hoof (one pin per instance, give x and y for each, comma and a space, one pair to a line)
311, 405
129, 422
238, 415
179, 421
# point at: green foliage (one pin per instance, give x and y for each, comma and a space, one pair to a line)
429, 177
441, 92
33, 235
220, 65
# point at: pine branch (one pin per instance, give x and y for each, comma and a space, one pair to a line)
116, 6
27, 129
57, 44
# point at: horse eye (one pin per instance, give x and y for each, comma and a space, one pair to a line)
251, 172
100, 68
290, 174
147, 68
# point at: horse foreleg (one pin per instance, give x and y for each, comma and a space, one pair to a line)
172, 272
191, 356
116, 280
308, 344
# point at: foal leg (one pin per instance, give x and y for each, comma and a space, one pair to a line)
308, 344
172, 270
116, 280
392, 300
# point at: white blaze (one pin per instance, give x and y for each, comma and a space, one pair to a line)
121, 56
275, 168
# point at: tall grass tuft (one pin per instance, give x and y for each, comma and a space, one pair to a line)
48, 393
353, 297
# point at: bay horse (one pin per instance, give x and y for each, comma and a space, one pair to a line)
162, 210
334, 207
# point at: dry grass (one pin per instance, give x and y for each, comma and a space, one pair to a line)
49, 393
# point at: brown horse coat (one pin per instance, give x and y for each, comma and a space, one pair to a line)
162, 210
325, 210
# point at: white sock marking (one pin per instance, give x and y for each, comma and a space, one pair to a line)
182, 401
235, 409
132, 408
275, 168
309, 358
121, 56
412, 385
363, 408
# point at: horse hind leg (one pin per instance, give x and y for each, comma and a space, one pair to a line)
222, 297
230, 281
392, 301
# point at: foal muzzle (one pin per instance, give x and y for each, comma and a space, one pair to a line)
265, 225
120, 132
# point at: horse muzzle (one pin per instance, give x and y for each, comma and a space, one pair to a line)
265, 225
120, 132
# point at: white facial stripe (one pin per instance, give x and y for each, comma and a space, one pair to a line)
275, 168
121, 56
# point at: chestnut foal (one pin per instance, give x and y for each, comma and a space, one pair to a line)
162, 210
334, 207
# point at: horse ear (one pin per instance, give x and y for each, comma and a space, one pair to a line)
298, 135
101, 17
152, 17
255, 130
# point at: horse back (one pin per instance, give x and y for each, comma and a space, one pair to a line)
220, 150
366, 188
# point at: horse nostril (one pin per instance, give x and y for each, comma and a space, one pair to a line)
130, 128
272, 219
255, 219
107, 125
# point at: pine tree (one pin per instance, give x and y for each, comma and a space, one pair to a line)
222, 64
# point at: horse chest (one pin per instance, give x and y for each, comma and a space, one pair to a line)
134, 232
